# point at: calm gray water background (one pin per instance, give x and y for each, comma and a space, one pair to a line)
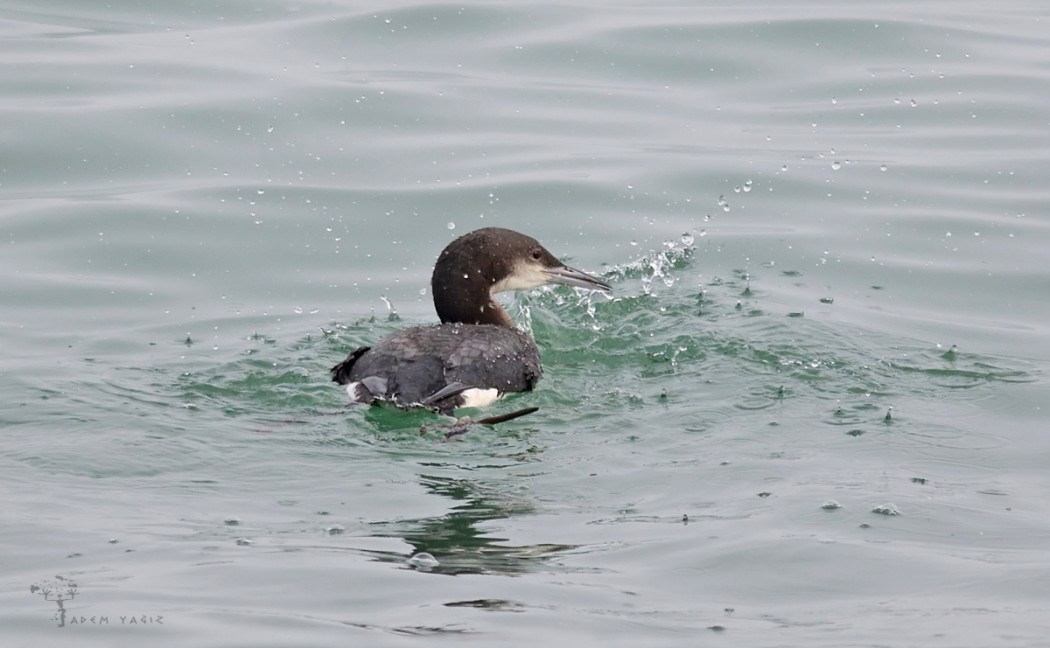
813, 214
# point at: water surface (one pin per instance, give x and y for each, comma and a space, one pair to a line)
811, 412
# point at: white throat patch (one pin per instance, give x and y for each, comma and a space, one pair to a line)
526, 275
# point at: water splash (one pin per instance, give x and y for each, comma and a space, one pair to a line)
661, 265
390, 309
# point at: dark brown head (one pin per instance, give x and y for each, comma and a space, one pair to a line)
480, 264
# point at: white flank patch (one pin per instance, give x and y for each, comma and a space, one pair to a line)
351, 391
475, 397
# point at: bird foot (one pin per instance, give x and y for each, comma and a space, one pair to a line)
462, 424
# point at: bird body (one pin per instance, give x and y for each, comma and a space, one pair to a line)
476, 355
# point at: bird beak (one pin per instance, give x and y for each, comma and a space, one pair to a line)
567, 276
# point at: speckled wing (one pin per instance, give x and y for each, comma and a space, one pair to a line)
419, 362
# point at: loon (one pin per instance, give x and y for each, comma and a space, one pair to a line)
476, 354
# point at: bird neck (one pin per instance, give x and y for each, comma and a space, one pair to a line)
468, 303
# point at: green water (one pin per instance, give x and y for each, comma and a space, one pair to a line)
811, 412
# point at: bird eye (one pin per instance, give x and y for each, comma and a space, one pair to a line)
537, 254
